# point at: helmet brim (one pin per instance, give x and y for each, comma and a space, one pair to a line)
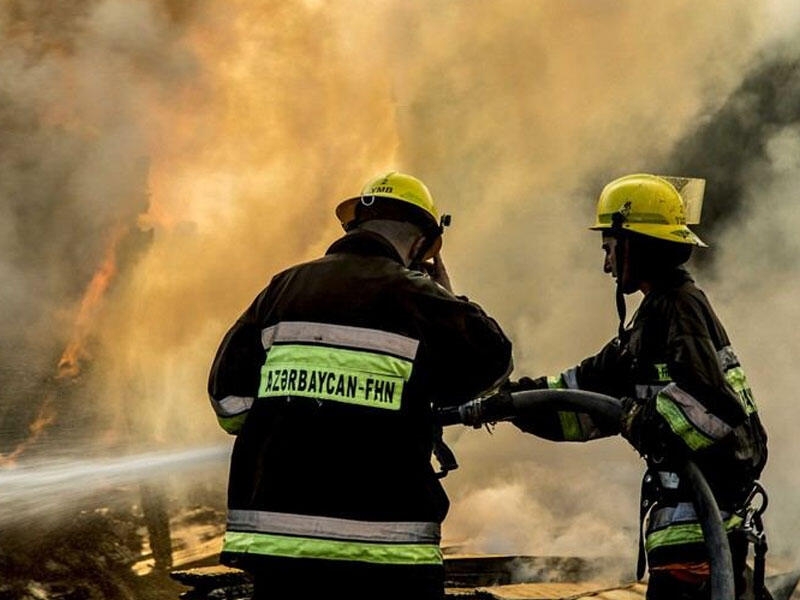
680, 234
346, 210
346, 213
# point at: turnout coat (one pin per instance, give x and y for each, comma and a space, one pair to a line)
329, 380
676, 360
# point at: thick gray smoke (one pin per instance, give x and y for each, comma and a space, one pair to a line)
74, 160
748, 151
732, 142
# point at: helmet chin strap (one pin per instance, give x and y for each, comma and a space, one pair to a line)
619, 258
621, 309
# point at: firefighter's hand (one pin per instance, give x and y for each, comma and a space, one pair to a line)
644, 430
524, 383
648, 432
528, 424
437, 271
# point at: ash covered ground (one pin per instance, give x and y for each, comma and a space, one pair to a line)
118, 545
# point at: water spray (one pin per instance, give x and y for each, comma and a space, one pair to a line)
49, 487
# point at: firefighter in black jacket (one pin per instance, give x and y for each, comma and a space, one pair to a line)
684, 391
329, 380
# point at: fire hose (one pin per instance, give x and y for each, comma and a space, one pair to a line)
606, 411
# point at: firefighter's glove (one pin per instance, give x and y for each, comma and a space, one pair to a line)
526, 424
524, 383
647, 431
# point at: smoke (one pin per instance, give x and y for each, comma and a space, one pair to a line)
75, 85
218, 138
755, 280
747, 150
730, 142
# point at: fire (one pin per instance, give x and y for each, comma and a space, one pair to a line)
44, 418
75, 352
69, 365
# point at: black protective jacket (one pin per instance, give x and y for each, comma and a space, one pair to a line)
328, 380
676, 361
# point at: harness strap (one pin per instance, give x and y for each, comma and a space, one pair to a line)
752, 511
650, 490
444, 455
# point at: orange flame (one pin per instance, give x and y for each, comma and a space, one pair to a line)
45, 417
69, 365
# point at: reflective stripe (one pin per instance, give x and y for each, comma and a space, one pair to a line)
689, 419
578, 427
232, 412
662, 372
575, 427
349, 376
646, 392
398, 532
570, 427
683, 512
738, 381
734, 375
232, 425
340, 335
669, 480
570, 377
230, 406
300, 547
687, 533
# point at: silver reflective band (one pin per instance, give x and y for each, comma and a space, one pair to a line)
711, 425
669, 480
402, 532
571, 378
727, 358
231, 406
344, 336
645, 392
683, 512
588, 427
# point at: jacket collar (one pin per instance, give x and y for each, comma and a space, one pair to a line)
674, 278
365, 243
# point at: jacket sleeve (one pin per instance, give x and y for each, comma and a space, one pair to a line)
598, 373
699, 406
470, 354
234, 377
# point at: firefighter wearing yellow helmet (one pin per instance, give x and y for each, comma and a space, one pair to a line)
683, 389
329, 380
400, 197
644, 225
645, 204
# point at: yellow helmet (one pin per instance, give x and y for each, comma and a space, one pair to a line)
402, 188
645, 204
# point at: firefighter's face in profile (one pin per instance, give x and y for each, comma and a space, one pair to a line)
610, 260
618, 257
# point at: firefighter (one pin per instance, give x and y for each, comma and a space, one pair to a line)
684, 392
329, 380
